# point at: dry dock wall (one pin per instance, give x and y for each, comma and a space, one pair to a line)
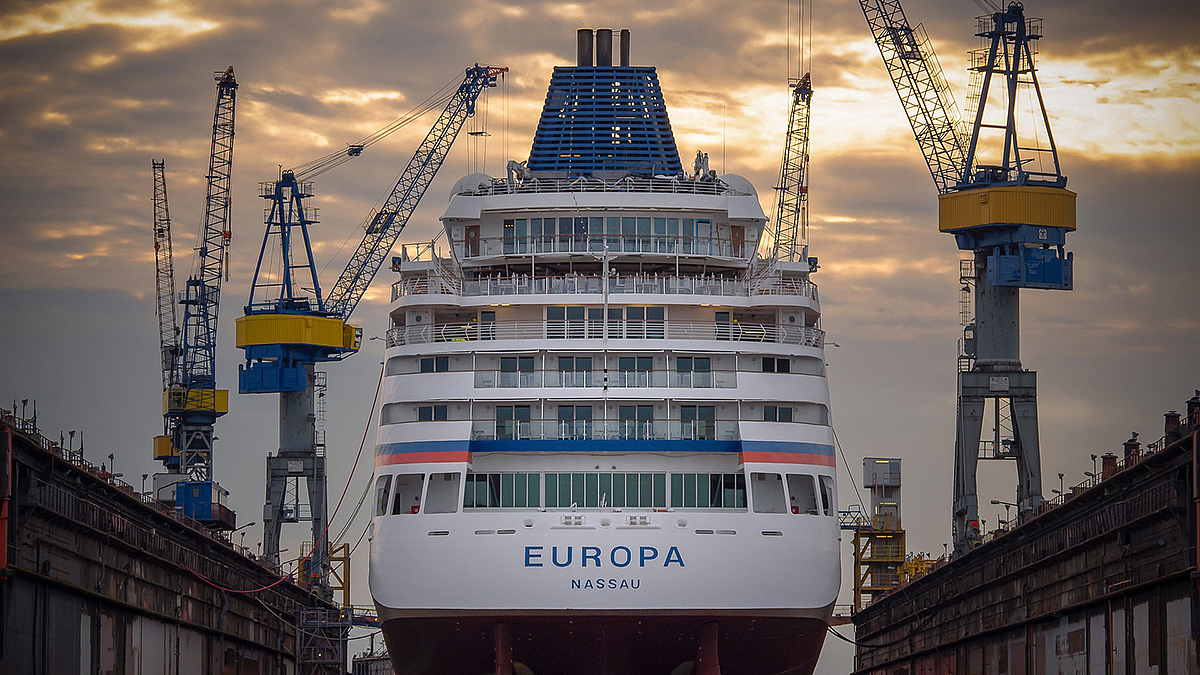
1103, 583
99, 581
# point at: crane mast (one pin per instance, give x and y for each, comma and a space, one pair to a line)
288, 328
1012, 213
192, 403
791, 239
164, 274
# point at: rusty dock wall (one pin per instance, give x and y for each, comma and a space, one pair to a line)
96, 578
1101, 582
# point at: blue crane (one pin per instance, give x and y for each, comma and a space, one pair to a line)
1013, 212
191, 401
289, 327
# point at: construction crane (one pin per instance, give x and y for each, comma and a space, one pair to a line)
287, 329
791, 214
164, 275
191, 401
1013, 213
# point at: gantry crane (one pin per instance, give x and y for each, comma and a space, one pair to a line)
287, 329
1013, 215
191, 401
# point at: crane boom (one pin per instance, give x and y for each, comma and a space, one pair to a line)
288, 328
791, 215
164, 272
203, 293
923, 91
384, 227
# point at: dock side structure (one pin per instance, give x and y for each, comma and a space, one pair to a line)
98, 578
1100, 581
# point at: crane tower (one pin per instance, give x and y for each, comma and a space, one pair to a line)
191, 401
288, 329
1012, 213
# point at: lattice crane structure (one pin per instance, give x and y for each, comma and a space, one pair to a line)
191, 401
791, 214
1013, 214
287, 329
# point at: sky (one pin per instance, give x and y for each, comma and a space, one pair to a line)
92, 90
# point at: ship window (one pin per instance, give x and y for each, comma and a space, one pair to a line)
768, 493
516, 371
770, 364
442, 494
502, 490
435, 364
777, 413
636, 421
698, 422
694, 371
708, 490
512, 422
432, 413
828, 505
383, 486
634, 371
606, 490
801, 493
574, 421
408, 493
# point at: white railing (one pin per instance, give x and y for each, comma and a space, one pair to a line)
710, 379
672, 185
626, 330
594, 285
605, 429
595, 244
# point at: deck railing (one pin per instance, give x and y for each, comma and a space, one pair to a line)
675, 379
594, 285
672, 185
627, 330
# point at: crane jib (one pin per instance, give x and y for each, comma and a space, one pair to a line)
385, 226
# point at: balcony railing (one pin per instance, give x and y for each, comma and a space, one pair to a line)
500, 379
594, 285
673, 185
617, 330
663, 244
605, 429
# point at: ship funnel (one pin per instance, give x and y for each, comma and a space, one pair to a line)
584, 44
604, 44
624, 47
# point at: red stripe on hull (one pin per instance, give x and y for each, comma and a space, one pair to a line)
422, 457
788, 458
604, 645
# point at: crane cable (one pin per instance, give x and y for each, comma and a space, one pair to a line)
366, 430
320, 165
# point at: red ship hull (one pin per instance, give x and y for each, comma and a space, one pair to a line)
609, 644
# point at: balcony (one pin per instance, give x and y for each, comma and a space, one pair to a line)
596, 244
594, 285
604, 429
699, 379
614, 330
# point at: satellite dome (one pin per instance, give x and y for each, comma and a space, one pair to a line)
471, 182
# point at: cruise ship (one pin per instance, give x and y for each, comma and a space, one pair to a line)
605, 444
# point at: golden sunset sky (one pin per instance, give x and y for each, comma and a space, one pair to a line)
92, 90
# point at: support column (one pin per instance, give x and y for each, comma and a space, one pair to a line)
502, 635
707, 662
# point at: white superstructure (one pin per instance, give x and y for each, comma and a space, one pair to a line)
594, 414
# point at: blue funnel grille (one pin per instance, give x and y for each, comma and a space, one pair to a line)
604, 119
